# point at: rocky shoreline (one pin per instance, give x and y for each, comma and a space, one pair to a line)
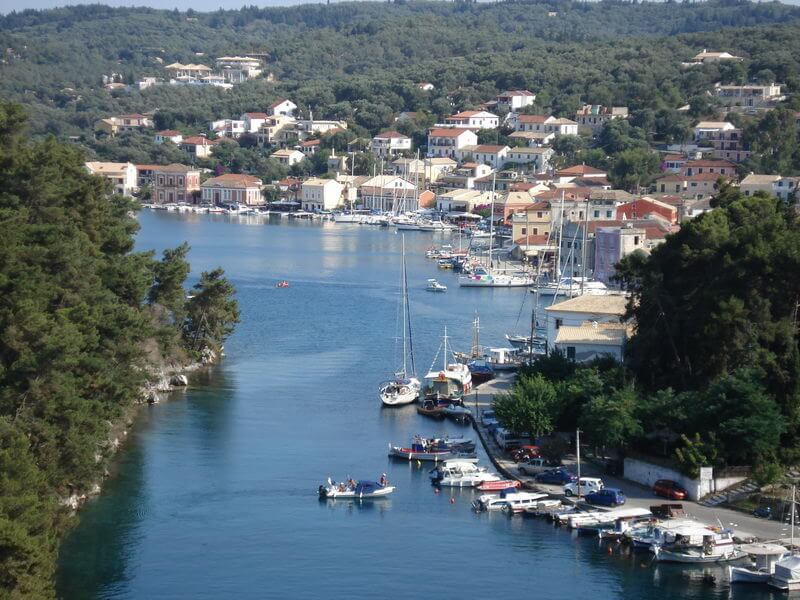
161, 381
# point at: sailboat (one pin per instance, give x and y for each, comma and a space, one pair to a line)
484, 276
405, 387
450, 383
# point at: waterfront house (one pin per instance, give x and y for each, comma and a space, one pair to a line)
321, 194
282, 108
474, 118
485, 154
577, 311
123, 176
175, 183
424, 171
198, 146
446, 141
592, 118
462, 200
287, 156
168, 135
389, 144
232, 189
591, 340
388, 192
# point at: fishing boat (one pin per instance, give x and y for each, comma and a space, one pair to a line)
361, 490
432, 408
496, 486
405, 387
706, 546
435, 286
461, 473
452, 382
763, 558
434, 449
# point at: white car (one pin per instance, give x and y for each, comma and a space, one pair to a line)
532, 466
587, 486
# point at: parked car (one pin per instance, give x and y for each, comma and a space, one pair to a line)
532, 466
606, 497
556, 476
488, 415
507, 440
669, 489
587, 486
524, 453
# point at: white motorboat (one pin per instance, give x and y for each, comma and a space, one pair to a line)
452, 382
763, 558
435, 286
361, 490
786, 576
461, 473
511, 500
664, 533
569, 287
595, 518
405, 387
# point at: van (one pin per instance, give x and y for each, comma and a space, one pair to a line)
507, 440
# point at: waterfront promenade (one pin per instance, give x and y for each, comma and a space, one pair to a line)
745, 526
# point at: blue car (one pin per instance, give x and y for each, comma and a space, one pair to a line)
606, 497
556, 476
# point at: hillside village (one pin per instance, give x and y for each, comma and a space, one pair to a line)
454, 170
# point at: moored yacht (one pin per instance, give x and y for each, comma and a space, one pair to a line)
452, 382
461, 473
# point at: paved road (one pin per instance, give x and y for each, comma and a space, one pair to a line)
745, 526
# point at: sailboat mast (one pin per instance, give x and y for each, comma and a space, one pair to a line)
583, 245
491, 220
560, 235
444, 354
403, 300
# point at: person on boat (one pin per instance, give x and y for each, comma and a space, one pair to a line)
350, 483
384, 481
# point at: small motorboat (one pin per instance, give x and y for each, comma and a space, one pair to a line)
456, 411
496, 486
435, 286
435, 450
431, 408
509, 499
763, 558
282, 284
461, 473
480, 370
362, 490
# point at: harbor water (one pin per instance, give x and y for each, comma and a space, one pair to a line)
214, 495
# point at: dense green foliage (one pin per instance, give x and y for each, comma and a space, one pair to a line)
74, 325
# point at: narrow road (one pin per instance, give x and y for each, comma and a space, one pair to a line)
745, 526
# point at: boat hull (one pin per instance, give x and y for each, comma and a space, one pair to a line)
409, 454
696, 557
747, 575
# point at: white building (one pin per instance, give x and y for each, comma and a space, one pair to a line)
387, 192
238, 69
593, 117
462, 200
591, 340
123, 176
514, 100
577, 311
748, 96
474, 118
545, 124
484, 154
321, 194
288, 157
784, 188
230, 128
709, 130
254, 121
169, 135
538, 158
389, 144
445, 141
282, 107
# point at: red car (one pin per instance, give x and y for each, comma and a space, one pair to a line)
669, 489
524, 453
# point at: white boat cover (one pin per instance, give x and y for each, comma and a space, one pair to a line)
788, 569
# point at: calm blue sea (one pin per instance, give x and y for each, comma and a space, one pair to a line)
214, 494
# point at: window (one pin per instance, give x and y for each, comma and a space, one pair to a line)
524, 231
571, 352
597, 214
535, 231
636, 240
559, 323
608, 214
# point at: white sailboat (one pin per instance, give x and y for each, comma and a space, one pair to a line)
405, 387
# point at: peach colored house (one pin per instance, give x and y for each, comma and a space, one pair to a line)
232, 189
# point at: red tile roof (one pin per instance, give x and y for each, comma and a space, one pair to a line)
197, 140
257, 115
169, 133
446, 132
532, 118
231, 180
487, 148
387, 135
581, 170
